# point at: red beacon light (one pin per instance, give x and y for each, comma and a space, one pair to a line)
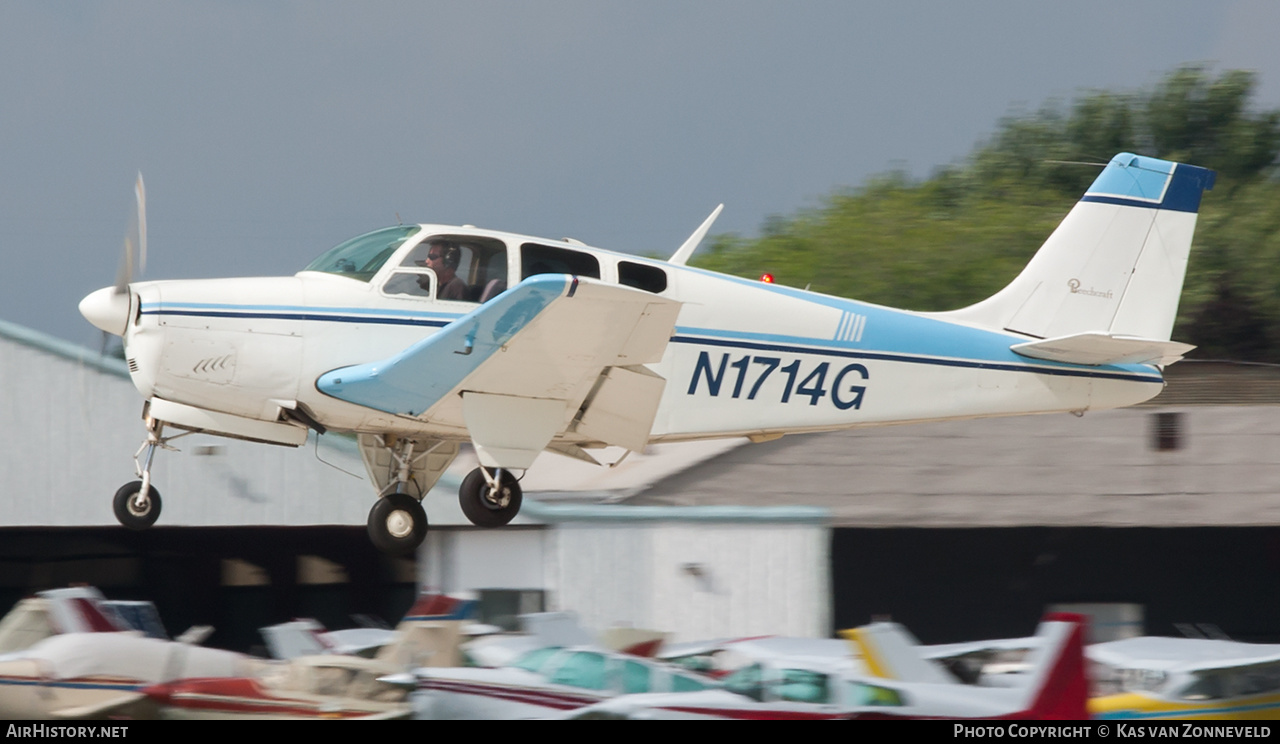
766, 278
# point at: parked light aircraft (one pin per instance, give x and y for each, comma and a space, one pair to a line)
1153, 678
544, 683
77, 609
554, 345
326, 687
899, 683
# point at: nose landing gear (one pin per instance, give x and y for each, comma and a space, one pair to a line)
137, 504
134, 509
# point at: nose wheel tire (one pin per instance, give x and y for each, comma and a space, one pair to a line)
135, 510
397, 524
487, 506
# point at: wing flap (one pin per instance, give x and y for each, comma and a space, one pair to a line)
1096, 348
622, 408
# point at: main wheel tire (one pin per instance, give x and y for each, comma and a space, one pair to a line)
397, 524
480, 508
131, 514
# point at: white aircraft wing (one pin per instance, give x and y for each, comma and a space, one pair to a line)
1182, 654
552, 355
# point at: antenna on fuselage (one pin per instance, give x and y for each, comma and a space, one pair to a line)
683, 253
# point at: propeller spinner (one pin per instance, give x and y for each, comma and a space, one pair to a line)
108, 308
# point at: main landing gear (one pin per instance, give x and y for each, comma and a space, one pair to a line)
405, 469
489, 500
397, 522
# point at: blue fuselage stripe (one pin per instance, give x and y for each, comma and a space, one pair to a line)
938, 361
297, 314
436, 322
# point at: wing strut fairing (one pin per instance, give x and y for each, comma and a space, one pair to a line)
552, 355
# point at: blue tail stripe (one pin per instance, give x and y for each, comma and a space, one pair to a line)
1136, 181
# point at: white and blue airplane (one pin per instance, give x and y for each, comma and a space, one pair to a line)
417, 338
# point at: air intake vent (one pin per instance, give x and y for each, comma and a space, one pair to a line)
133, 365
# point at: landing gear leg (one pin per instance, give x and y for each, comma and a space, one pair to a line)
490, 500
397, 521
137, 504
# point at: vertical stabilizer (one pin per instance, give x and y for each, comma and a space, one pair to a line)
1114, 265
889, 651
1058, 686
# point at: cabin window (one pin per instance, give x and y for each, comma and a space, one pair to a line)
803, 686
685, 683
544, 259
748, 682
362, 256
420, 283
635, 677
583, 669
642, 276
861, 693
536, 659
461, 268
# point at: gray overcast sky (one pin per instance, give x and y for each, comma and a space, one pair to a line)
270, 131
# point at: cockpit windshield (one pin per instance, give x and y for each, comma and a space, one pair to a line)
361, 257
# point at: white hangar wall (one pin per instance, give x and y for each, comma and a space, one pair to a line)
693, 572
72, 423
697, 575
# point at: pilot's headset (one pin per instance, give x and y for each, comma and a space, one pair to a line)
450, 254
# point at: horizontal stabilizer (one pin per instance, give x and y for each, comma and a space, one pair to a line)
1103, 348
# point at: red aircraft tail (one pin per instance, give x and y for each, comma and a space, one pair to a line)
1059, 688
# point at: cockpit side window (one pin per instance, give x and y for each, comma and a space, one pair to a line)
460, 268
412, 283
362, 256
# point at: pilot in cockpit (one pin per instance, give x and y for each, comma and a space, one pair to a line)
443, 258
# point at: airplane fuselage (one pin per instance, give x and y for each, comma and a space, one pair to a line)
746, 358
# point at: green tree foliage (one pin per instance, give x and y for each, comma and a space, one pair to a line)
960, 235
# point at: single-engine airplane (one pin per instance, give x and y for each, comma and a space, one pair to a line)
419, 337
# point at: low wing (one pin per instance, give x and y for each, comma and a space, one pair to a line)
1104, 348
554, 354
1183, 654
